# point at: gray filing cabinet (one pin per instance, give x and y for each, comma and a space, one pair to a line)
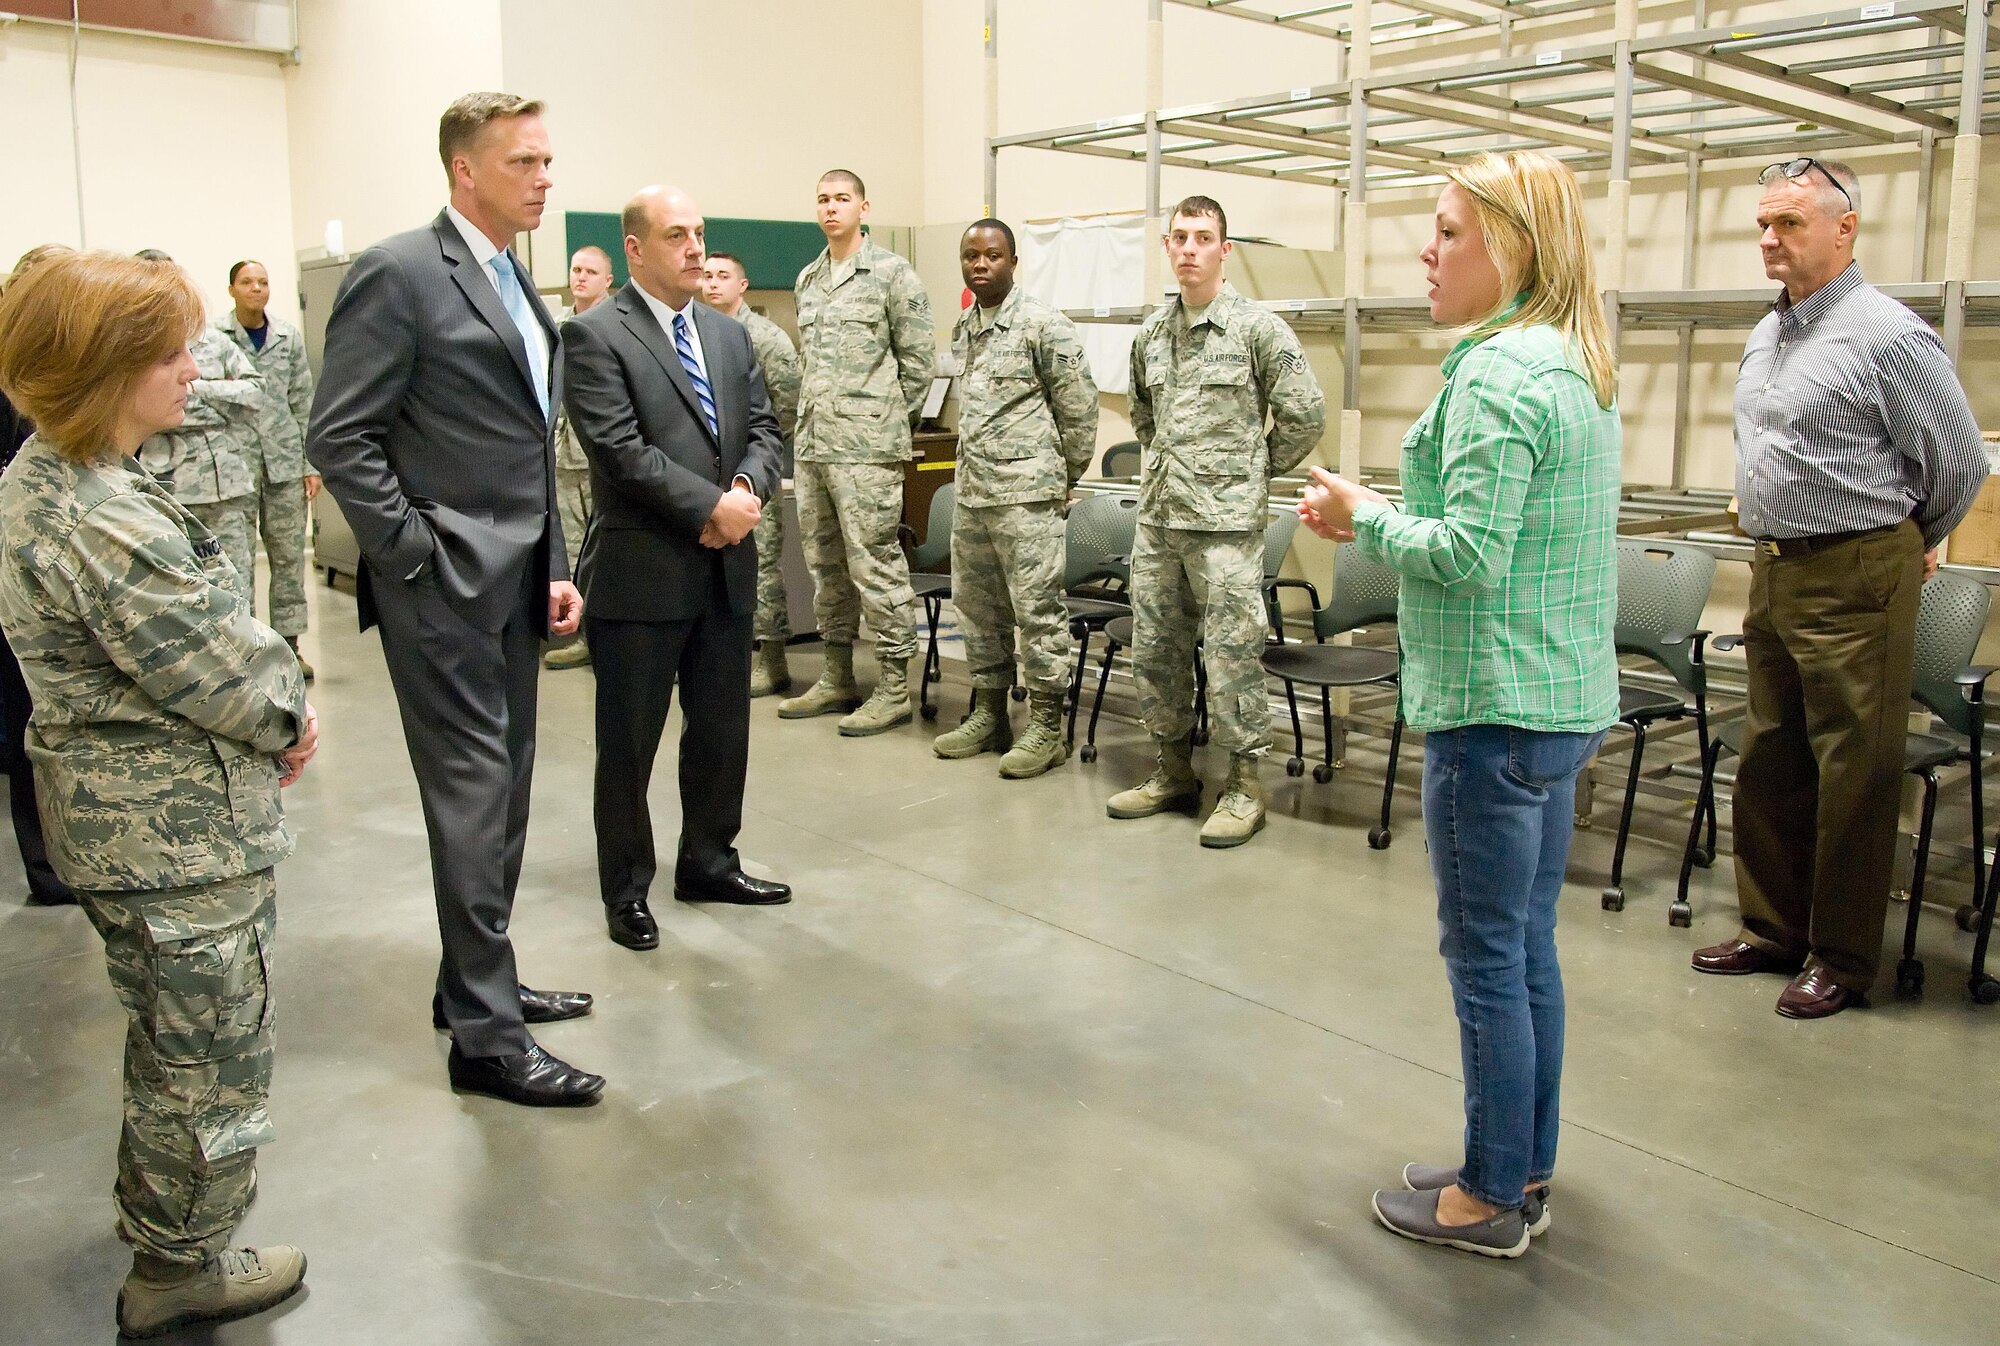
334, 549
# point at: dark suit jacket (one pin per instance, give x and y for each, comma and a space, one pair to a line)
655, 470
426, 428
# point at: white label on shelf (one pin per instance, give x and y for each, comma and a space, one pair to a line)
1877, 11
1300, 95
1549, 58
1100, 312
1107, 123
1290, 306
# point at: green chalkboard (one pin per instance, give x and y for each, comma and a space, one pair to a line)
773, 251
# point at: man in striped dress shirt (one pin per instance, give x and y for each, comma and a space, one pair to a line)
1856, 455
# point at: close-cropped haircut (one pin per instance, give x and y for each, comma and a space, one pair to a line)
460, 126
237, 270
990, 223
591, 247
78, 331
720, 256
848, 176
1196, 207
1530, 210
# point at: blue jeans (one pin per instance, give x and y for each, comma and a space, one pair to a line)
1499, 807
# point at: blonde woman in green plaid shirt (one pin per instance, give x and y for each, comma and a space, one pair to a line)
1505, 543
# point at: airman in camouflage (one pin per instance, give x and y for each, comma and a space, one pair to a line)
281, 490
213, 461
590, 278
1027, 423
724, 283
161, 704
1222, 399
867, 351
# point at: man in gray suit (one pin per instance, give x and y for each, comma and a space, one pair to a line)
431, 428
668, 403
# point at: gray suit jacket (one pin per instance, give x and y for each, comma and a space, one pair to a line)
426, 427
656, 471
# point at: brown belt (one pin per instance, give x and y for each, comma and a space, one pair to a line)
1819, 542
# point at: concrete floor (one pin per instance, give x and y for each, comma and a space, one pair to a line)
1008, 1072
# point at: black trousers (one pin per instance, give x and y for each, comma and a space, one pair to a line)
637, 666
467, 697
43, 885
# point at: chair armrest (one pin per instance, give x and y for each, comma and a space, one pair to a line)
1293, 582
1726, 643
1971, 681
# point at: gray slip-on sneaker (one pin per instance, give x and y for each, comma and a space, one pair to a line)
1414, 1216
1431, 1177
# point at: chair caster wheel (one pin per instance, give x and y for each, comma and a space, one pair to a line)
1706, 859
1909, 977
1295, 766
1198, 737
1613, 899
1678, 914
928, 712
1088, 753
1322, 773
1019, 694
1378, 838
1967, 917
1986, 991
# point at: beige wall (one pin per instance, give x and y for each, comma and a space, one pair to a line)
157, 169
372, 77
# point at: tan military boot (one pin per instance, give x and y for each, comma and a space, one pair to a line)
160, 1297
1173, 785
1042, 747
770, 674
986, 729
304, 668
576, 654
836, 690
1239, 812
886, 707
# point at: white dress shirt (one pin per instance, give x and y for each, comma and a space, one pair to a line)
483, 252
665, 317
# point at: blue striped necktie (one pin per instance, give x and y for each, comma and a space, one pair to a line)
684, 347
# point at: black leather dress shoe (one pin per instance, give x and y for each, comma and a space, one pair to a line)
533, 1079
537, 1007
632, 924
738, 888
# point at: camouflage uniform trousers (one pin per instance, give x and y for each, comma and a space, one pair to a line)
190, 966
281, 523
774, 618
1188, 585
234, 523
848, 515
1006, 573
573, 505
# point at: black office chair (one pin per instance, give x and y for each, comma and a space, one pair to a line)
1662, 591
932, 587
1097, 573
1120, 460
1949, 624
1364, 594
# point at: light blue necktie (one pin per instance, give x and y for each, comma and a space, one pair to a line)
516, 304
684, 347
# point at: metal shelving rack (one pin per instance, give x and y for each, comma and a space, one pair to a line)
1912, 73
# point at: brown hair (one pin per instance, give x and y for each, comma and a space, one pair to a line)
471, 113
848, 176
1199, 207
76, 333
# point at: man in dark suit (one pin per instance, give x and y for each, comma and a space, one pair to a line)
431, 428
667, 401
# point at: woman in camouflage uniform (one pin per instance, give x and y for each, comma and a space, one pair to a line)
166, 717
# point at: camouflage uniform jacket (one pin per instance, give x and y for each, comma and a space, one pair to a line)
159, 699
288, 392
779, 362
569, 453
866, 354
216, 454
1200, 395
1027, 412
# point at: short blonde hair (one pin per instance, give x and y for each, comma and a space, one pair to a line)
1531, 211
76, 333
470, 114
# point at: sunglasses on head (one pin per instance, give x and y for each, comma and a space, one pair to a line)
1798, 168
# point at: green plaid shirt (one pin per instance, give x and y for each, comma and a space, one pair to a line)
1506, 542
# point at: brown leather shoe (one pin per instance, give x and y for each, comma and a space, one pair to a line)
1735, 958
1815, 995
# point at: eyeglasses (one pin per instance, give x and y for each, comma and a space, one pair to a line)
1798, 168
